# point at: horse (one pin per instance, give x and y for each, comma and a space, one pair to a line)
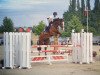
52, 31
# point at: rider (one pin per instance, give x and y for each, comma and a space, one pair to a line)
50, 20
50, 23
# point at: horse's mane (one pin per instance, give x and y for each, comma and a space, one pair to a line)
57, 19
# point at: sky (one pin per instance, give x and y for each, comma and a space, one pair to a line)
31, 12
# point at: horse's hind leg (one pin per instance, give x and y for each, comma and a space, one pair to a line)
39, 49
45, 50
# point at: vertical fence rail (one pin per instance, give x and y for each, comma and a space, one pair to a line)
17, 47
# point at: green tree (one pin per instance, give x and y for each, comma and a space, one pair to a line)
78, 5
97, 5
68, 15
65, 34
73, 5
74, 23
96, 17
39, 28
93, 19
8, 25
1, 29
91, 29
70, 6
88, 4
82, 5
33, 29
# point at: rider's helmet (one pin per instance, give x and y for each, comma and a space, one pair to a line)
55, 14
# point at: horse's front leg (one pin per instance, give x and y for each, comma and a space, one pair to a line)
58, 34
45, 50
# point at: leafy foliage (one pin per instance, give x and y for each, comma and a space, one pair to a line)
39, 28
1, 29
75, 19
7, 25
74, 23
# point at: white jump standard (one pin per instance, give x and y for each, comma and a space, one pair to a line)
17, 48
82, 47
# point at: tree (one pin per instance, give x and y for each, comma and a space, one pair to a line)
73, 5
82, 6
99, 5
65, 34
1, 29
68, 15
74, 23
93, 19
88, 4
78, 5
39, 28
96, 5
70, 6
8, 25
96, 16
33, 29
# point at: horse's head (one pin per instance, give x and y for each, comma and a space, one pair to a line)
59, 22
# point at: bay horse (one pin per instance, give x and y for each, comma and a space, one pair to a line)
44, 38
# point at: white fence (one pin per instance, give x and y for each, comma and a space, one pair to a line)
17, 47
17, 50
49, 58
82, 47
